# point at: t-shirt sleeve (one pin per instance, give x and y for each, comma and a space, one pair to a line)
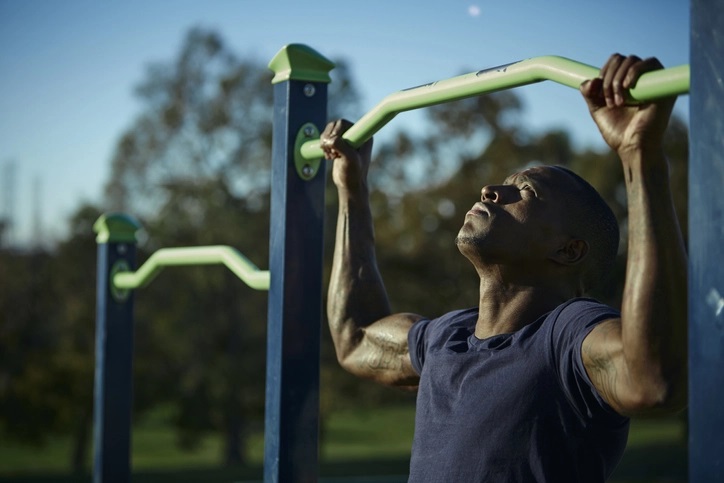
573, 323
416, 343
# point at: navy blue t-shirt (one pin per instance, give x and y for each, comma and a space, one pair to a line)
514, 407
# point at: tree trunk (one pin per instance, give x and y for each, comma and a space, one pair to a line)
234, 454
81, 436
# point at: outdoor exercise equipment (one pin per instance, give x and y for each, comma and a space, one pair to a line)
295, 273
124, 279
116, 238
650, 86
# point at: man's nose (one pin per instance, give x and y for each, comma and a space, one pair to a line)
500, 193
490, 193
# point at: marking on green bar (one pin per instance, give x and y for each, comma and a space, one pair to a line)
419, 87
500, 68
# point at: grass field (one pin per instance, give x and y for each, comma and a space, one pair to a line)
362, 442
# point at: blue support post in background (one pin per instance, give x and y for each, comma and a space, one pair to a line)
295, 291
706, 243
114, 351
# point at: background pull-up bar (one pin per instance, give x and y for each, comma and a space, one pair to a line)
206, 255
112, 402
652, 85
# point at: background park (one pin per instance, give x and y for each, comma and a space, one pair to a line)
190, 159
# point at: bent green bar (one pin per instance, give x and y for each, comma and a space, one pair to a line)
208, 255
652, 85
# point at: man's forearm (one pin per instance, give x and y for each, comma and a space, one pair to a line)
357, 296
654, 307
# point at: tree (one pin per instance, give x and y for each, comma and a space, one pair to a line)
74, 289
27, 328
195, 159
47, 340
195, 168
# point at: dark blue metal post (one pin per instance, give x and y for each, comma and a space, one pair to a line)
114, 352
706, 243
295, 292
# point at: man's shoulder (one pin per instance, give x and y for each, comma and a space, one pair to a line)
582, 309
453, 320
458, 322
566, 326
459, 316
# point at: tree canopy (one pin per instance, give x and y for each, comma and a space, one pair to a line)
194, 168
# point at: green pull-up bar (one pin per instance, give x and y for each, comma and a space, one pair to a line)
208, 255
652, 85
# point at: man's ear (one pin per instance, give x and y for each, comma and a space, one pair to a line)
571, 252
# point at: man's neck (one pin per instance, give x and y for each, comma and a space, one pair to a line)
506, 307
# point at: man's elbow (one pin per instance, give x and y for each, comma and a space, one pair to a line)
662, 398
345, 362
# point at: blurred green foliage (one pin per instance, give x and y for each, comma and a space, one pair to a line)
194, 168
359, 442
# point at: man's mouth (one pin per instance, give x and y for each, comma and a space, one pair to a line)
479, 209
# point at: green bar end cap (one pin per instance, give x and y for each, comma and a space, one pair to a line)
116, 228
302, 63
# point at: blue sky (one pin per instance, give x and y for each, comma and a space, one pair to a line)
68, 68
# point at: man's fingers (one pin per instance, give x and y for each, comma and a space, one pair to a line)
643, 66
335, 146
619, 77
335, 129
342, 147
331, 141
620, 74
608, 73
593, 94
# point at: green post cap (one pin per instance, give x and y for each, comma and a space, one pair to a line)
300, 62
116, 228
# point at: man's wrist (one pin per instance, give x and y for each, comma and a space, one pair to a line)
643, 157
348, 193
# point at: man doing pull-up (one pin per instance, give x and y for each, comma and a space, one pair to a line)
537, 382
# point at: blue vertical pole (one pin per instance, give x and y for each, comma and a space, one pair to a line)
295, 262
706, 243
114, 351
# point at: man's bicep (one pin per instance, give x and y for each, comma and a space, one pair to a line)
603, 358
383, 353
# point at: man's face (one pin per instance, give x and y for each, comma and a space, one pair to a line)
521, 220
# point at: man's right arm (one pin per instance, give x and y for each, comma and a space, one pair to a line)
370, 341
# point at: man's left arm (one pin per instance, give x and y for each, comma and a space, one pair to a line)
638, 363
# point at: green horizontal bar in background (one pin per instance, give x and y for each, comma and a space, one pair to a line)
652, 85
208, 255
